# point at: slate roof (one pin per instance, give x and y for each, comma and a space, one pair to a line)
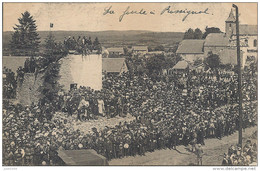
245, 29
112, 64
140, 48
190, 46
181, 65
231, 17
216, 40
116, 49
87, 157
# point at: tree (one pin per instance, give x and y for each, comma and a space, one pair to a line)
96, 42
25, 39
50, 88
198, 62
211, 30
53, 51
49, 45
154, 65
97, 46
212, 61
159, 48
198, 34
189, 34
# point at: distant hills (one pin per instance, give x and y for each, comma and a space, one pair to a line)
112, 38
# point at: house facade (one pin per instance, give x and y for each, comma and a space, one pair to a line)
115, 51
140, 49
215, 42
191, 49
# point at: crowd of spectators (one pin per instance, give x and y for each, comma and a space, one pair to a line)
9, 84
168, 113
237, 156
82, 45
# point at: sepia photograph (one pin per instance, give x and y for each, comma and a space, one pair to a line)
130, 84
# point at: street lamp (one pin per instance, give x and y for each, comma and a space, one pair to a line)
239, 78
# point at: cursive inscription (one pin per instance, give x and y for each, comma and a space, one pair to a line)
167, 10
185, 11
108, 11
129, 12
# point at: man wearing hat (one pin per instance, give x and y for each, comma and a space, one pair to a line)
29, 155
226, 160
19, 157
199, 152
82, 109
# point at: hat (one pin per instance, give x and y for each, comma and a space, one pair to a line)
80, 146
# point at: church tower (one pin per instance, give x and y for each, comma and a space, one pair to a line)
230, 24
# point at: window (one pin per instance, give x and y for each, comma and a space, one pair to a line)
255, 43
246, 42
230, 25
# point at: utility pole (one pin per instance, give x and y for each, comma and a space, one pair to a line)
239, 79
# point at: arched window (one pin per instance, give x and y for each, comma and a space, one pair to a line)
246, 42
255, 43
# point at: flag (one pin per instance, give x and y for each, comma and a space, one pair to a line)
51, 25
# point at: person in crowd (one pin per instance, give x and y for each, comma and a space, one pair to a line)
199, 153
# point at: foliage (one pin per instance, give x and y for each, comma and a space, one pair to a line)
209, 30
50, 88
97, 46
191, 34
53, 52
25, 39
159, 48
198, 34
173, 49
29, 65
198, 62
127, 52
9, 84
212, 61
155, 64
226, 67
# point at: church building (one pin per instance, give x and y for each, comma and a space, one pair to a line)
247, 36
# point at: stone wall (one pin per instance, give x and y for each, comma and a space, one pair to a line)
28, 90
83, 70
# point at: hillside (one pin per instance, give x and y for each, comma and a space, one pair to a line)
112, 38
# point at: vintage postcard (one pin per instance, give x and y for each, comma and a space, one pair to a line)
129, 84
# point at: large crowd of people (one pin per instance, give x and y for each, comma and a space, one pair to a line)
168, 113
237, 156
9, 84
82, 45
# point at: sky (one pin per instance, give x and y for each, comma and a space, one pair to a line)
90, 16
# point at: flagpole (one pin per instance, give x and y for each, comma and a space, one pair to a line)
50, 29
